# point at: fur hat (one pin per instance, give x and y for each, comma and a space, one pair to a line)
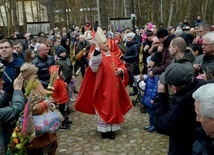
27, 70
162, 33
131, 34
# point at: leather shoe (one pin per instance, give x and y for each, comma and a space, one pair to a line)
68, 121
151, 129
76, 92
132, 93
108, 135
147, 127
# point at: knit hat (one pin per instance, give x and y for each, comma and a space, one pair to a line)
176, 74
60, 49
27, 70
149, 26
110, 34
156, 57
162, 33
131, 34
178, 32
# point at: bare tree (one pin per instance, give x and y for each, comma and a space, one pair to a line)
31, 8
49, 7
24, 17
15, 18
98, 11
161, 11
171, 13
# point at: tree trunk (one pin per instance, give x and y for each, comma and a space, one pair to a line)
161, 11
31, 8
37, 12
4, 25
139, 13
24, 17
98, 12
50, 16
149, 11
15, 19
114, 9
127, 8
171, 13
10, 19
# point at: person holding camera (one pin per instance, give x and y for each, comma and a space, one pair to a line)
10, 61
177, 119
10, 113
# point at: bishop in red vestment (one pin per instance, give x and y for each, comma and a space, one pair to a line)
103, 89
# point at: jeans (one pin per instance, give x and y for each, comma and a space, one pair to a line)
151, 116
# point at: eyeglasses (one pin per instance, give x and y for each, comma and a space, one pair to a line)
4, 47
205, 45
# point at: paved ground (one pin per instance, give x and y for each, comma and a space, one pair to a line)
132, 139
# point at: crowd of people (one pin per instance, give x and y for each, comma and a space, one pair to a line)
176, 64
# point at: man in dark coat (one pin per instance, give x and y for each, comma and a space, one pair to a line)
10, 61
180, 54
43, 61
204, 108
177, 120
205, 63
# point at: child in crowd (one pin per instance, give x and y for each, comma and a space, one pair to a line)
60, 94
29, 55
151, 90
67, 69
73, 84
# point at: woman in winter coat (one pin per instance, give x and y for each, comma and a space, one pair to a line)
47, 141
131, 57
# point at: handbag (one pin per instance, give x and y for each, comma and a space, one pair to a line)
48, 122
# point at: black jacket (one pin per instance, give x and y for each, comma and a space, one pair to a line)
9, 114
67, 68
207, 64
43, 66
178, 119
132, 52
203, 145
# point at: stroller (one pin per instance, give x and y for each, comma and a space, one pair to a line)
140, 85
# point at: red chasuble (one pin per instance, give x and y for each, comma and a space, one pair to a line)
114, 48
104, 92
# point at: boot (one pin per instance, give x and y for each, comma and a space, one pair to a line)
108, 135
76, 92
134, 92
